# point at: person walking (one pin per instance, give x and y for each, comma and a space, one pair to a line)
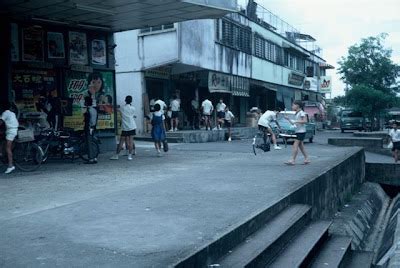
9, 119
394, 134
207, 108
175, 108
264, 124
128, 127
221, 106
90, 120
228, 122
299, 122
158, 129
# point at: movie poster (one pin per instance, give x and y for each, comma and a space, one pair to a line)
29, 85
55, 45
14, 42
99, 52
32, 44
78, 48
98, 85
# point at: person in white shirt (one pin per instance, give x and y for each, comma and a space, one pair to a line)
9, 119
228, 121
300, 123
207, 108
162, 105
175, 108
264, 124
220, 113
394, 134
128, 128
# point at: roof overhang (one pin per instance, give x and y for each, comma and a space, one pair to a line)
295, 50
326, 66
115, 15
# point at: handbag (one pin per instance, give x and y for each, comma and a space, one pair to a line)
165, 145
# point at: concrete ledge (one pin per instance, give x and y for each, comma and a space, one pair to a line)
325, 193
361, 218
383, 173
377, 134
367, 143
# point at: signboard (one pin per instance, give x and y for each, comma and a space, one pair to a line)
311, 84
78, 48
98, 85
325, 84
225, 83
55, 45
99, 52
296, 79
32, 44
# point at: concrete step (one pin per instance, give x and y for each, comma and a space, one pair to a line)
333, 253
358, 259
302, 248
260, 247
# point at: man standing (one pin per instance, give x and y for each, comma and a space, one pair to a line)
264, 124
195, 113
394, 134
175, 108
9, 119
90, 119
207, 108
221, 106
128, 127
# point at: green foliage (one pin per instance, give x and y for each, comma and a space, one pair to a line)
340, 101
369, 101
369, 63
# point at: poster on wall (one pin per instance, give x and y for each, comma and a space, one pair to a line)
30, 85
32, 43
14, 42
98, 85
326, 84
55, 45
78, 48
99, 52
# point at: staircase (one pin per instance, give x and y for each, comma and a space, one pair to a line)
290, 239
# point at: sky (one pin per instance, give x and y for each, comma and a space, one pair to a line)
338, 24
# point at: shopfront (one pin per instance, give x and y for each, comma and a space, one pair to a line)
52, 68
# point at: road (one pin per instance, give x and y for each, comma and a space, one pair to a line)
146, 212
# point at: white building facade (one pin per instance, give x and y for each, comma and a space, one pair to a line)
241, 58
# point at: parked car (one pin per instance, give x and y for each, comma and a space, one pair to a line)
352, 120
288, 131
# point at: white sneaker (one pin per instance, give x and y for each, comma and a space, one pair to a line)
175, 129
130, 157
171, 130
9, 170
229, 139
114, 157
276, 147
158, 153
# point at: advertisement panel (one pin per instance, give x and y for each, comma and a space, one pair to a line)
98, 85
32, 44
55, 45
325, 84
78, 48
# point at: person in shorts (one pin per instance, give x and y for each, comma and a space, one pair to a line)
228, 121
175, 108
264, 124
300, 123
128, 127
207, 108
9, 119
394, 134
221, 106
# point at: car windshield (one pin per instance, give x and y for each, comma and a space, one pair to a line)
351, 114
281, 116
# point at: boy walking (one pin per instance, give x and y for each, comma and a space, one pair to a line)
228, 121
90, 119
264, 124
394, 134
220, 113
128, 127
175, 108
10, 120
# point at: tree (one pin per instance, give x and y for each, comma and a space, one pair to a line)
371, 76
369, 63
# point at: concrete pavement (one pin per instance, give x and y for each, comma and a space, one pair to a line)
144, 213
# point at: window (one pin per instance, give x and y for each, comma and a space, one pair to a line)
300, 64
157, 28
235, 36
259, 47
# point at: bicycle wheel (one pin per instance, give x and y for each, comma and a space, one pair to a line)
28, 156
84, 152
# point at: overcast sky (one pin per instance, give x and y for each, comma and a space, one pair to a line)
338, 24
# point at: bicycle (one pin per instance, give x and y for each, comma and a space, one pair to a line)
27, 155
261, 141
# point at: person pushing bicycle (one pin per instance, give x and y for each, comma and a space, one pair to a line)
264, 124
9, 119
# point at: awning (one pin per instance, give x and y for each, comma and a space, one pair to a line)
227, 83
115, 15
325, 65
263, 84
295, 50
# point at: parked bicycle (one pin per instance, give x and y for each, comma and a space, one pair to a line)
27, 155
66, 144
262, 141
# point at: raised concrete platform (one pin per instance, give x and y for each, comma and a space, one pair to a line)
155, 212
376, 134
373, 145
202, 136
384, 173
